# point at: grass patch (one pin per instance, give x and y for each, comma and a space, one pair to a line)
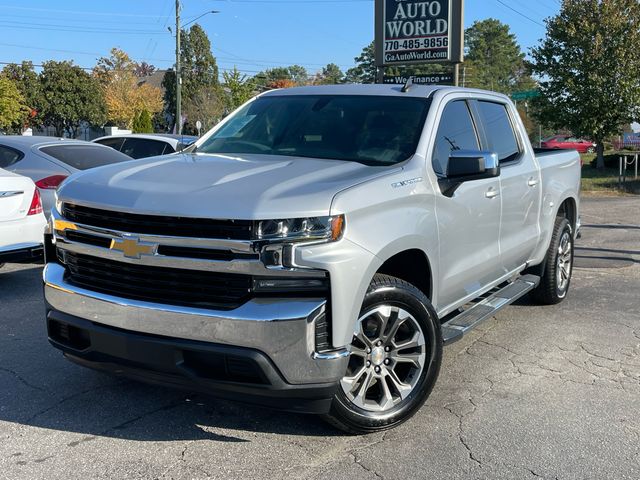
606, 181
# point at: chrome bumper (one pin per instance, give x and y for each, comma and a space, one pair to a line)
281, 328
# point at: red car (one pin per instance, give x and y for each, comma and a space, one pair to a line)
566, 142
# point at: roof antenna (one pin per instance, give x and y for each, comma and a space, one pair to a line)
408, 85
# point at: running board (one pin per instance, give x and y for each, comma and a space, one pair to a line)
455, 328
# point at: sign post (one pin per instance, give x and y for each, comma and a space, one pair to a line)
413, 32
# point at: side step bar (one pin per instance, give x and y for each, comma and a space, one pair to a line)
486, 307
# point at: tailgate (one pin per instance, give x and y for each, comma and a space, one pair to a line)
16, 194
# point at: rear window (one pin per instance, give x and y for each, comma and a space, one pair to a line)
9, 156
143, 148
84, 157
115, 143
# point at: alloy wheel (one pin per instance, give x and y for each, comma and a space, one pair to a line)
388, 355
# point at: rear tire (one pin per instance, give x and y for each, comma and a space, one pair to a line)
558, 267
395, 359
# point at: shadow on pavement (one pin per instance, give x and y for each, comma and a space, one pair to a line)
39, 388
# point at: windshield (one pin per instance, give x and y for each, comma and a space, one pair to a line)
374, 130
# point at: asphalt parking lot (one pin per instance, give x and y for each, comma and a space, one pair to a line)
536, 392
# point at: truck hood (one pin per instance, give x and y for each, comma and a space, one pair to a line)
247, 187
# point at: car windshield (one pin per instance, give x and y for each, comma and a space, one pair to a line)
373, 130
83, 157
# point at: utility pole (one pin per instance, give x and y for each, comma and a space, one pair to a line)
178, 74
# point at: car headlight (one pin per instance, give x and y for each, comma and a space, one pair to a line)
58, 202
300, 229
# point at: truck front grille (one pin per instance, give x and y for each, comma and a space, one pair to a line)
159, 225
170, 286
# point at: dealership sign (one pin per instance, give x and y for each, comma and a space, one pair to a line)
413, 32
433, 79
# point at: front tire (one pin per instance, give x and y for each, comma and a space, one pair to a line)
396, 354
555, 282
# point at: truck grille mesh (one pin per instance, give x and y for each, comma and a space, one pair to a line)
159, 225
168, 286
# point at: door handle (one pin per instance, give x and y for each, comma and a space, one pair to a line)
533, 182
492, 193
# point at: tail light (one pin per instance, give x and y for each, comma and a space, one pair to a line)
36, 204
51, 183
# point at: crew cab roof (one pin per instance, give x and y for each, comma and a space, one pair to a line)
421, 91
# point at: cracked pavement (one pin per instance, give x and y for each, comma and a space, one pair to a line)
536, 392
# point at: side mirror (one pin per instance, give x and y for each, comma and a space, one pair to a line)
467, 165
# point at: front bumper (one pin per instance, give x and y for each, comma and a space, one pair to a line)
281, 331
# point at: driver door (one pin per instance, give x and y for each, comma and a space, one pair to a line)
469, 220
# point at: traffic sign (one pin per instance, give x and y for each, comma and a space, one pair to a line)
525, 95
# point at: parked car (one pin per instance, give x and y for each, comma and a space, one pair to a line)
566, 142
49, 161
147, 145
22, 221
315, 251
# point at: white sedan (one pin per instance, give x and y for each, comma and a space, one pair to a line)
22, 220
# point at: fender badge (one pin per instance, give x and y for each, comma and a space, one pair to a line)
406, 183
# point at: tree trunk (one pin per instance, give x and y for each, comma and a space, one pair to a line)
600, 152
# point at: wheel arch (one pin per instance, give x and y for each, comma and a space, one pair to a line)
411, 265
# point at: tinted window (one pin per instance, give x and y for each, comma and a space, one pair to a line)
84, 157
142, 148
499, 130
115, 143
456, 132
373, 130
9, 156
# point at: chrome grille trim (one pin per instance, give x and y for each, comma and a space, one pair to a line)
243, 266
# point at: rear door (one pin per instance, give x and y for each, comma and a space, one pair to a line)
468, 221
520, 183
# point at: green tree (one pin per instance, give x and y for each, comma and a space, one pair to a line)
330, 75
142, 122
26, 79
494, 60
12, 106
124, 93
238, 88
199, 75
282, 77
590, 68
365, 69
70, 97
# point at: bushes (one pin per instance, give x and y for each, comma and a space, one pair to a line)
142, 122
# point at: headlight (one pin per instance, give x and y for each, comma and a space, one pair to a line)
57, 203
311, 228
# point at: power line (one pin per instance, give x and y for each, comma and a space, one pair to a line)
78, 12
60, 28
519, 13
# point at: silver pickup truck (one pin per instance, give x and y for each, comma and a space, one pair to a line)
315, 251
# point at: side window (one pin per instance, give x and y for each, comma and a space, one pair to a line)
499, 130
456, 132
142, 148
9, 156
115, 142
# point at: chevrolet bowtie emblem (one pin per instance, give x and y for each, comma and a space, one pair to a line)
132, 247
